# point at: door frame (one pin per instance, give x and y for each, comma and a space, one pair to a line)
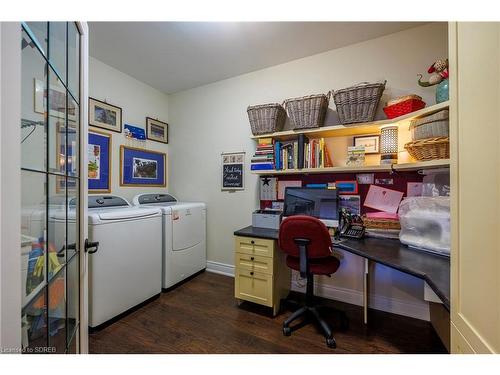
10, 186
84, 89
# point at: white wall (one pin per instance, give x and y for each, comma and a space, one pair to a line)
211, 119
137, 101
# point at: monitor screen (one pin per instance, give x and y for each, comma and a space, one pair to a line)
320, 203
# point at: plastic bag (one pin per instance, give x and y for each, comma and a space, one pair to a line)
425, 223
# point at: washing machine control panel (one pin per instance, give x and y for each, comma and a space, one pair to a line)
97, 201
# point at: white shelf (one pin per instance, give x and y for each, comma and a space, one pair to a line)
355, 129
431, 164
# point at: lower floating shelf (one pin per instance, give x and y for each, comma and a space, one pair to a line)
430, 164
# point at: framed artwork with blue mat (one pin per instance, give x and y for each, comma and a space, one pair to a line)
139, 167
99, 162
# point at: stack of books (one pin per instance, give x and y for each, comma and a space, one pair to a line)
263, 158
301, 153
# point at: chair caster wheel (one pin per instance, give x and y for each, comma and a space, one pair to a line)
331, 343
287, 331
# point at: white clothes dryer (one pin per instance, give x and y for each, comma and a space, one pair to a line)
184, 236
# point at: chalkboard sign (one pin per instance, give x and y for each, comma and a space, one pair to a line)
233, 169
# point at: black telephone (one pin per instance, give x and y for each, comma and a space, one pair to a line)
351, 225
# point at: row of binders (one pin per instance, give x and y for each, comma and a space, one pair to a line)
294, 154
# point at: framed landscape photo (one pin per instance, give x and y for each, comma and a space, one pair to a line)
99, 162
139, 167
156, 130
105, 116
371, 143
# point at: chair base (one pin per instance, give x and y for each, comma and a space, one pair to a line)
308, 312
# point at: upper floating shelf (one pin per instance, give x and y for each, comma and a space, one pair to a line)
355, 129
415, 166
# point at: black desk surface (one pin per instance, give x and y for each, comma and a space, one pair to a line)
434, 269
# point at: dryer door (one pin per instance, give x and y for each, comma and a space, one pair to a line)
188, 226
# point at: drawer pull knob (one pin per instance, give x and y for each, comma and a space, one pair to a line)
251, 258
251, 273
252, 242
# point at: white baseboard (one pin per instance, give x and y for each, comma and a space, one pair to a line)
220, 268
418, 310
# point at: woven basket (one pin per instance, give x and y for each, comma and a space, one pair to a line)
358, 103
266, 118
429, 149
404, 107
307, 111
376, 223
436, 125
403, 99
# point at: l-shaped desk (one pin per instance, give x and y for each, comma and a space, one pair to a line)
433, 269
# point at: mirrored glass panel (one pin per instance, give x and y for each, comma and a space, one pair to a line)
39, 32
33, 234
73, 297
56, 225
74, 60
73, 219
73, 137
34, 325
33, 107
57, 47
57, 313
57, 124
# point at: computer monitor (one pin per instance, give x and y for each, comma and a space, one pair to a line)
317, 202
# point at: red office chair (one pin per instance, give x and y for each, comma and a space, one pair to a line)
307, 243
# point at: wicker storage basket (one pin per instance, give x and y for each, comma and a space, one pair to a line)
403, 99
307, 111
376, 223
358, 103
266, 118
436, 125
429, 149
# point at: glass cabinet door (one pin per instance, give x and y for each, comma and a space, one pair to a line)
50, 228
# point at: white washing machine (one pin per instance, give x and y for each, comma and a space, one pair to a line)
184, 236
126, 269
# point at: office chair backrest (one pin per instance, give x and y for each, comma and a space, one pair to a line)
304, 227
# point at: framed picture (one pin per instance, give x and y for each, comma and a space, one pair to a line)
99, 162
139, 167
233, 170
105, 116
371, 143
156, 130
57, 101
65, 156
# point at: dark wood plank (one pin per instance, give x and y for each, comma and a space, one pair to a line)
434, 269
201, 316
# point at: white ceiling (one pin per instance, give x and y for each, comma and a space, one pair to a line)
175, 56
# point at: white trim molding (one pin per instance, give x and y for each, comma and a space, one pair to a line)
220, 268
418, 310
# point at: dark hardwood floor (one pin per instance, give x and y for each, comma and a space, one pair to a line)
201, 316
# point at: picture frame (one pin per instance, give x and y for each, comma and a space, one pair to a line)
99, 161
232, 171
60, 156
370, 142
105, 116
141, 167
40, 101
156, 130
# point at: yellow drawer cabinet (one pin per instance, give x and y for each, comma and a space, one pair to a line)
261, 275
